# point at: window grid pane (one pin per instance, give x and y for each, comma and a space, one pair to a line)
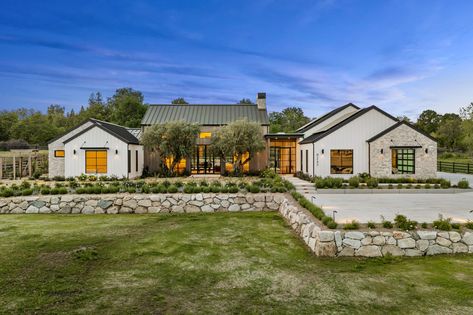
403, 161
96, 161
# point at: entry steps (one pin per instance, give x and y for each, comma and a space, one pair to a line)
302, 186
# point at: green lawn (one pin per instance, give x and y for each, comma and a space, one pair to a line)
216, 263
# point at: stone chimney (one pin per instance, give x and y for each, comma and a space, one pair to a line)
261, 101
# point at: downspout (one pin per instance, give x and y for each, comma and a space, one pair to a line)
369, 158
313, 159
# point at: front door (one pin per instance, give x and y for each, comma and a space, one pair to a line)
204, 162
281, 160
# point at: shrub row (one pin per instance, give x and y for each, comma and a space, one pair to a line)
316, 211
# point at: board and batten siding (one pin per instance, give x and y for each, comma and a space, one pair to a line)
117, 154
56, 165
352, 136
322, 125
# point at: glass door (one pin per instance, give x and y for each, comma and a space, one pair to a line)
203, 161
281, 159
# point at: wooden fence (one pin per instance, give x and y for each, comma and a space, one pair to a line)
19, 166
455, 167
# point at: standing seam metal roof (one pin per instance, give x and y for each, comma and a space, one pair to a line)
204, 114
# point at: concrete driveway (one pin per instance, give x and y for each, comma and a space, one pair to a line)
454, 178
419, 207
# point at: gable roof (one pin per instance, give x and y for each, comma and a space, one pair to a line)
400, 123
119, 132
204, 114
317, 121
319, 135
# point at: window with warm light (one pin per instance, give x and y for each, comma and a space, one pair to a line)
96, 161
59, 153
341, 161
205, 135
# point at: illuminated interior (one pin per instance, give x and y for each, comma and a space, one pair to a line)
282, 155
96, 161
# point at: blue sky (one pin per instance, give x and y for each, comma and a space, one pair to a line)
404, 56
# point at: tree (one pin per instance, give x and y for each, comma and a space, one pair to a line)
467, 112
174, 141
449, 132
7, 121
238, 139
404, 118
429, 121
245, 101
179, 101
289, 120
126, 107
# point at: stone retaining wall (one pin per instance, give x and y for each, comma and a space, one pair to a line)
141, 203
373, 243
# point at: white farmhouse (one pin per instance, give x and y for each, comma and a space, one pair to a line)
97, 148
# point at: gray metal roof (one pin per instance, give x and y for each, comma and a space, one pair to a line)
204, 114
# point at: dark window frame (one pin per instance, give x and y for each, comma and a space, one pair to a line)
341, 165
63, 151
302, 160
403, 155
136, 160
129, 161
307, 161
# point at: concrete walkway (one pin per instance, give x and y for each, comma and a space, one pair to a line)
370, 207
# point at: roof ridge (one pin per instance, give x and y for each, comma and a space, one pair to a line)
327, 115
215, 104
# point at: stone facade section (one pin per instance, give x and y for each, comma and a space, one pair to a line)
332, 243
141, 203
403, 135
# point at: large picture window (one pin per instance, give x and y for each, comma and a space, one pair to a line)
341, 161
96, 161
403, 161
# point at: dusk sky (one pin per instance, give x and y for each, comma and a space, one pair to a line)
403, 56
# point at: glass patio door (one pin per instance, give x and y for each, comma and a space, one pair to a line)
203, 161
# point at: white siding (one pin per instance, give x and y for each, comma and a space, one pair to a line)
56, 165
117, 154
338, 116
307, 152
352, 136
136, 148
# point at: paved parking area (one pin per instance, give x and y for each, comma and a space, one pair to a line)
456, 177
419, 207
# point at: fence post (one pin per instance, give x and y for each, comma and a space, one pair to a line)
29, 166
14, 167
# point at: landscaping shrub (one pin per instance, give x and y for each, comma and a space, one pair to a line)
224, 189
332, 225
59, 178
353, 225
206, 189
233, 189
196, 189
172, 189
166, 183
387, 224
268, 173
455, 226
92, 178
254, 189
469, 225
424, 225
443, 224
463, 184
427, 186
403, 223
216, 189
79, 191
354, 182
372, 182
25, 185
105, 190
131, 190
445, 183
371, 225
7, 192
55, 191
326, 220
145, 189
155, 190
27, 192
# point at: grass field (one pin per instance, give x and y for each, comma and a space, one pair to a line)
208, 264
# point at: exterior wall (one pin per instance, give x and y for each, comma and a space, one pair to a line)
324, 124
352, 136
117, 164
309, 170
425, 163
134, 171
56, 166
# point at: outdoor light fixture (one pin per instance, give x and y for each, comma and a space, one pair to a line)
426, 150
74, 151
323, 151
382, 151
116, 151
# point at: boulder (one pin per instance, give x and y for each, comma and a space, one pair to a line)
354, 235
393, 250
347, 252
32, 209
45, 209
368, 251
325, 249
459, 248
427, 235
352, 243
367, 240
141, 209
145, 203
406, 243
410, 252
104, 204
325, 236
125, 210
400, 235
378, 240
207, 208
422, 244
468, 238
455, 236
337, 236
437, 249
88, 210
130, 204
443, 241
234, 207
190, 209
391, 240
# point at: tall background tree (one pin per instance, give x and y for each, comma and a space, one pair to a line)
429, 121
126, 107
289, 120
245, 101
179, 101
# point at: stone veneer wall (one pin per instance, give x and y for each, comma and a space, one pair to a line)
125, 203
373, 243
425, 163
